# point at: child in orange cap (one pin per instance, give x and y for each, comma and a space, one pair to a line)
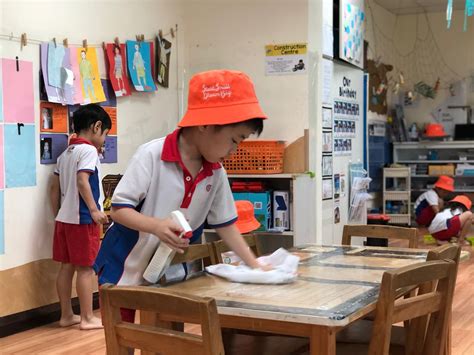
182, 171
454, 222
429, 203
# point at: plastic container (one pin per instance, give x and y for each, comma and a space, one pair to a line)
377, 218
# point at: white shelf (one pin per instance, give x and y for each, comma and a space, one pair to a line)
399, 218
396, 195
434, 161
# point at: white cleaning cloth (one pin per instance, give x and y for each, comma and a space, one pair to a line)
285, 266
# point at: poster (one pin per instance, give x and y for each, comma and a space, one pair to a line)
337, 212
60, 74
344, 128
117, 60
343, 183
139, 66
327, 189
20, 155
342, 146
51, 147
53, 117
351, 33
337, 185
92, 90
109, 151
327, 165
112, 111
327, 117
328, 72
2, 176
284, 59
110, 98
327, 142
17, 88
163, 54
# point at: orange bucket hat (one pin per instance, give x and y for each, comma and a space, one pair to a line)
246, 221
463, 200
220, 97
434, 130
445, 182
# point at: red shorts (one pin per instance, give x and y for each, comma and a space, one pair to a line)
425, 216
454, 227
76, 244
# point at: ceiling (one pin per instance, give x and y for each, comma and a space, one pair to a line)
404, 7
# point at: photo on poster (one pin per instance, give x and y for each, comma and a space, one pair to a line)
51, 147
337, 185
337, 213
139, 66
327, 189
54, 117
92, 90
327, 117
108, 152
163, 55
117, 60
342, 178
327, 142
327, 165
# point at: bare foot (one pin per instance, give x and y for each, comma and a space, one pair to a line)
93, 323
66, 322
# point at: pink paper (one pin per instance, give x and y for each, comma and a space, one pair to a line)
2, 179
78, 98
18, 100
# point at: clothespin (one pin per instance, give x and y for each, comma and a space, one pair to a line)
54, 41
172, 32
103, 46
160, 34
142, 37
117, 42
23, 41
84, 44
65, 42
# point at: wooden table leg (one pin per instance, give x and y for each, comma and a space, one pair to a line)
322, 340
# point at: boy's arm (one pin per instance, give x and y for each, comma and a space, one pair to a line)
55, 194
232, 237
86, 193
164, 229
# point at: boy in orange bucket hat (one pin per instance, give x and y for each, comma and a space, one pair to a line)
182, 171
454, 222
429, 203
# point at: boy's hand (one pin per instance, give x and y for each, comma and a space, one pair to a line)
168, 232
265, 267
99, 217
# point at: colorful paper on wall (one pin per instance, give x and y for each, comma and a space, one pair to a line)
2, 222
112, 111
53, 117
1, 94
109, 153
20, 155
117, 60
163, 54
352, 33
51, 147
2, 176
52, 92
139, 65
110, 98
77, 86
17, 86
92, 90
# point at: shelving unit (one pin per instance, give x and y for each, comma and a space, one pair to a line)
397, 192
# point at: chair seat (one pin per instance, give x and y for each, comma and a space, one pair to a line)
360, 332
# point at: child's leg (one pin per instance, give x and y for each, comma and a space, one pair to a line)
84, 292
466, 221
64, 286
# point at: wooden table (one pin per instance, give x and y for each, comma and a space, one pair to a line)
337, 285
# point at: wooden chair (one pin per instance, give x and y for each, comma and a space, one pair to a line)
170, 305
430, 304
380, 231
221, 247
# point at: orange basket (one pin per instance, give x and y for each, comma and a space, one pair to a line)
256, 157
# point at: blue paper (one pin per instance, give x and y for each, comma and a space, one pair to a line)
20, 155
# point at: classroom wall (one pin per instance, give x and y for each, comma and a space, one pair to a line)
27, 274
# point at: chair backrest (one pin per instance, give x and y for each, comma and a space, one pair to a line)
447, 251
194, 252
433, 302
221, 247
167, 304
380, 231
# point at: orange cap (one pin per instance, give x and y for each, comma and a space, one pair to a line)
246, 221
434, 130
463, 200
220, 97
445, 182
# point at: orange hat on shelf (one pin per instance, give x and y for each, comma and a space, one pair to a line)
246, 221
434, 130
463, 200
220, 97
445, 182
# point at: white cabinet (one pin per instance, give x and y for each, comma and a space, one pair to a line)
397, 195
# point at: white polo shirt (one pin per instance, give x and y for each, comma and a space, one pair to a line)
440, 222
156, 183
80, 155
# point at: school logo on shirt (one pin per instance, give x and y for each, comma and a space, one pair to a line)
217, 90
208, 187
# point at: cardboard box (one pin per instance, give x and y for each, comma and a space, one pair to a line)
262, 206
281, 210
436, 170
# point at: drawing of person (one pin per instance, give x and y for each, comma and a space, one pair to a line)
47, 120
118, 69
139, 67
46, 155
87, 75
163, 64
